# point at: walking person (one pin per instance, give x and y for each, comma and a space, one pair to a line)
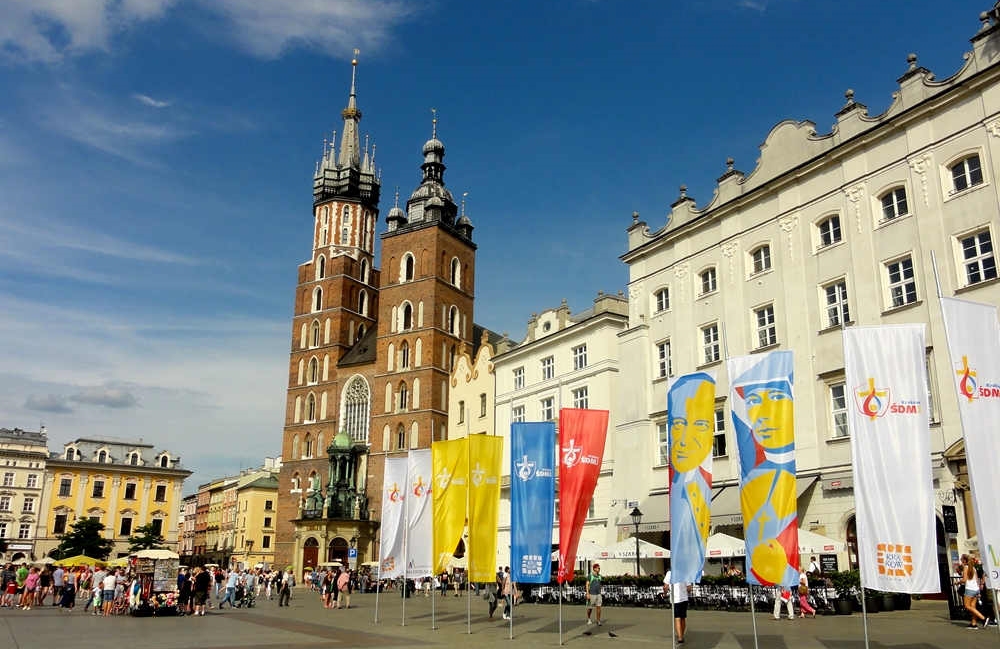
44, 586
285, 589
344, 589
231, 583
507, 589
30, 588
679, 603
202, 584
108, 585
328, 590
783, 596
67, 592
8, 583
970, 594
58, 581
804, 607
594, 599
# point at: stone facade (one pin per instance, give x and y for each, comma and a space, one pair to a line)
22, 468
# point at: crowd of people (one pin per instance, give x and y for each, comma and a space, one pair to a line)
25, 587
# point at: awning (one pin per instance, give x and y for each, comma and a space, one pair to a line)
655, 510
838, 480
726, 505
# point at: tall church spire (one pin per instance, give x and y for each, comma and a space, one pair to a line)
350, 145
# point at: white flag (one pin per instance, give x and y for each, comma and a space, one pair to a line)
974, 343
890, 444
419, 515
392, 552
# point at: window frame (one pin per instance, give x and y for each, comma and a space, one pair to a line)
709, 279
68, 484
664, 362
964, 261
714, 344
835, 410
835, 234
662, 444
581, 397
893, 204
762, 264
968, 173
720, 432
579, 357
767, 328
518, 377
517, 414
547, 408
661, 299
840, 307
548, 366
902, 283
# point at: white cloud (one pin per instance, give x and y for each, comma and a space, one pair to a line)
51, 30
146, 100
47, 403
104, 395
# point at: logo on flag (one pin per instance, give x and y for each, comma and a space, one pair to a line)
894, 560
395, 495
968, 386
419, 489
478, 474
531, 565
525, 469
444, 478
573, 455
875, 402
388, 564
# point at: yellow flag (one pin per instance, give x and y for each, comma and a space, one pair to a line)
485, 456
450, 461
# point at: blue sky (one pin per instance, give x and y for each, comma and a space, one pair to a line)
156, 160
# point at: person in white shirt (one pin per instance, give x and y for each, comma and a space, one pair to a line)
679, 603
813, 567
108, 591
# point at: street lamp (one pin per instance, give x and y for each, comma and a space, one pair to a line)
636, 517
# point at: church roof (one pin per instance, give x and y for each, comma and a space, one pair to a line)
363, 351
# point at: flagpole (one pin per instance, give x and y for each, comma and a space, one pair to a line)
378, 583
468, 526
753, 614
433, 619
560, 604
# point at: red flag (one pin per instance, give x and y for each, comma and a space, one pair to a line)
581, 448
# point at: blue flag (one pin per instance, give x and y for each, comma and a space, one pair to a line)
532, 500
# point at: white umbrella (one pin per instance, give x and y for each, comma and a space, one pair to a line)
158, 554
722, 545
45, 561
812, 543
584, 551
625, 549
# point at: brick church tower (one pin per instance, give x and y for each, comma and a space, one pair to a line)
371, 352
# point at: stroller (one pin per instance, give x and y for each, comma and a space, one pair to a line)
244, 597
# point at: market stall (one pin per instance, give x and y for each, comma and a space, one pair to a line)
154, 589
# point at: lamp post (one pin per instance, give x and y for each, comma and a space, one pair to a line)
636, 517
249, 548
354, 545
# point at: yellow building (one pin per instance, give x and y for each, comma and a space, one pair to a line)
217, 547
256, 505
123, 485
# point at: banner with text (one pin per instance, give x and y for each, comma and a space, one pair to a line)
974, 343
450, 462
886, 385
392, 551
532, 500
691, 421
762, 404
419, 515
485, 461
582, 434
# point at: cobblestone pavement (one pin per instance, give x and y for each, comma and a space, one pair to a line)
306, 625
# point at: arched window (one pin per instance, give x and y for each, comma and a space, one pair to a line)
406, 271
321, 267
345, 219
315, 333
400, 437
453, 324
456, 272
363, 303
323, 236
295, 446
296, 482
355, 408
708, 281
318, 299
407, 317
404, 355
314, 370
361, 331
102, 457
403, 395
345, 236
368, 231
70, 453
309, 446
451, 358
364, 271
311, 408
164, 460
133, 459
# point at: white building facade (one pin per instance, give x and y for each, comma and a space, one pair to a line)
829, 230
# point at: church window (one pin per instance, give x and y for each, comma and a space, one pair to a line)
407, 317
364, 271
321, 267
403, 396
363, 304
453, 322
404, 355
313, 370
361, 331
400, 438
345, 236
456, 273
318, 299
407, 269
311, 408
354, 415
315, 333
309, 447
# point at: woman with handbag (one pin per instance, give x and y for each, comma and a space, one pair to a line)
804, 606
970, 596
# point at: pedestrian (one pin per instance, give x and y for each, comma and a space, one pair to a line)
285, 589
108, 585
328, 589
8, 583
94, 597
594, 599
44, 586
492, 598
804, 606
344, 589
813, 567
220, 578
67, 592
231, 582
969, 589
783, 596
444, 583
184, 594
58, 581
679, 604
20, 577
507, 590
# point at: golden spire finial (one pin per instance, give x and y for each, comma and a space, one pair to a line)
354, 61
434, 123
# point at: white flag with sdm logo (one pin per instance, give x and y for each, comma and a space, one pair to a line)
886, 393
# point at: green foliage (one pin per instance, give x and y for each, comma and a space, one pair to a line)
145, 538
83, 537
846, 582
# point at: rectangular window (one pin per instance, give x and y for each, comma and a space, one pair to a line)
966, 173
663, 365
767, 334
32, 481
719, 441
837, 312
548, 368
518, 378
268, 505
98, 491
24, 531
96, 519
579, 357
838, 409
977, 258
65, 486
517, 414
3, 530
130, 491
902, 287
548, 409
8, 479
663, 299
4, 503
59, 525
161, 493
482, 405
829, 231
580, 397
126, 527
265, 541
761, 259
461, 412
267, 521
710, 342
894, 204
662, 444
708, 281
28, 506
157, 524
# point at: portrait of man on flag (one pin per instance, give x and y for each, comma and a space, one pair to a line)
691, 418
762, 405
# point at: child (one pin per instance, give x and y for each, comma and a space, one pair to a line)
95, 599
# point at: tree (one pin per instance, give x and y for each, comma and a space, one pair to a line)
84, 537
145, 537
